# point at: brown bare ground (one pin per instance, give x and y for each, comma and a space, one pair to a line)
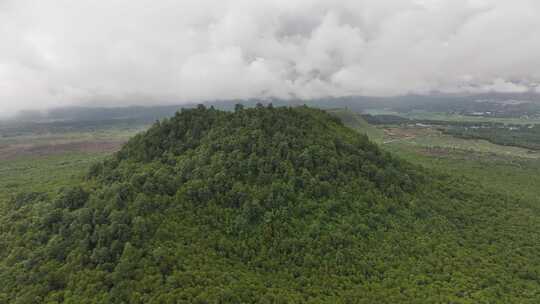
13, 151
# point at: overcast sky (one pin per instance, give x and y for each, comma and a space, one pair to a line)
112, 52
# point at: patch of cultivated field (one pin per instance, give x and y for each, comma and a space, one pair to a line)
46, 162
431, 138
51, 138
99, 141
43, 173
518, 176
439, 116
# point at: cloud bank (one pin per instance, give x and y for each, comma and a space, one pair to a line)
64, 52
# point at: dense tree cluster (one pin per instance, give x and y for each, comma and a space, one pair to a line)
385, 119
265, 205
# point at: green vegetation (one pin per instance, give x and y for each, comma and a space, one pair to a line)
385, 119
498, 131
358, 123
452, 117
526, 136
433, 139
389, 130
498, 167
10, 130
500, 173
266, 205
43, 174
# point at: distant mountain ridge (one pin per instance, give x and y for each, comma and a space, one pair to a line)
435, 102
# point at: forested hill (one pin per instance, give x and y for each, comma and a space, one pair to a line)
266, 205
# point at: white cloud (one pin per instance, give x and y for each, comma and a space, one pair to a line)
68, 52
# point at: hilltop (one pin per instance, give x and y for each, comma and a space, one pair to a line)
266, 205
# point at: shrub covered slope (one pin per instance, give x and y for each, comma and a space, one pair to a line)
266, 205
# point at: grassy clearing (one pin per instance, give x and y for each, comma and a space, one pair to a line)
43, 174
51, 138
517, 176
47, 162
430, 138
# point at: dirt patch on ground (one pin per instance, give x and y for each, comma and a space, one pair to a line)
21, 150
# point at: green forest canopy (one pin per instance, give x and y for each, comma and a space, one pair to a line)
266, 205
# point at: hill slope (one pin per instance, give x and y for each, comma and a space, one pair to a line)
266, 205
356, 122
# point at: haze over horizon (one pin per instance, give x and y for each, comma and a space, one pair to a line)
141, 52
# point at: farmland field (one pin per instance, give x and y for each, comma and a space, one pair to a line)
47, 162
505, 174
431, 138
44, 173
453, 117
